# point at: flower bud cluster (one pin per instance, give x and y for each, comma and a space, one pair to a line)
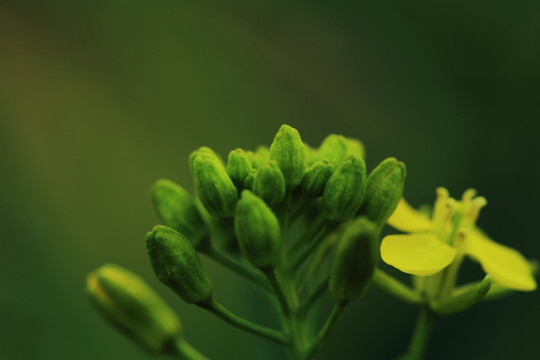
260, 200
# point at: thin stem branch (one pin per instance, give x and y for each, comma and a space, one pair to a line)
237, 267
306, 251
313, 230
185, 351
271, 276
241, 323
395, 287
314, 296
418, 343
323, 333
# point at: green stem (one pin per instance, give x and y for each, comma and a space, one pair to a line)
236, 267
313, 230
314, 296
395, 287
183, 350
323, 333
306, 251
285, 211
271, 276
418, 343
241, 323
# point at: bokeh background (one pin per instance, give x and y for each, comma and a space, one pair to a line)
98, 99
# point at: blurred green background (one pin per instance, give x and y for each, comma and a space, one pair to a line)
98, 99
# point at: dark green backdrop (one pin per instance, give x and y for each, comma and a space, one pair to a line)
98, 99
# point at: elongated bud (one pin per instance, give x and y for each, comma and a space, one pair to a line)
177, 265
202, 151
258, 231
333, 148
259, 157
128, 303
238, 166
269, 184
311, 155
355, 262
289, 153
355, 147
464, 300
250, 179
176, 209
384, 189
345, 190
316, 177
214, 186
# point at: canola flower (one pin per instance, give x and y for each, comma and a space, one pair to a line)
433, 252
440, 242
299, 222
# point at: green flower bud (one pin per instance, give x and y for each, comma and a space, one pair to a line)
355, 147
250, 179
214, 187
177, 265
204, 150
333, 148
465, 299
176, 209
289, 153
238, 166
311, 155
355, 262
258, 231
129, 304
260, 157
269, 184
384, 189
345, 190
316, 178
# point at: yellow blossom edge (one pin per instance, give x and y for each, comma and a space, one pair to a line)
507, 266
417, 254
407, 219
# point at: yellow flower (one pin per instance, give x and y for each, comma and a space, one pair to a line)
434, 244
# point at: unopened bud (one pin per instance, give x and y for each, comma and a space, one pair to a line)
129, 304
355, 261
355, 147
465, 299
288, 151
384, 189
203, 151
333, 148
258, 231
316, 177
345, 190
250, 179
177, 265
214, 186
238, 166
176, 209
269, 183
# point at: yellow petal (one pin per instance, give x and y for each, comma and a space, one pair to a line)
417, 254
405, 218
507, 266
